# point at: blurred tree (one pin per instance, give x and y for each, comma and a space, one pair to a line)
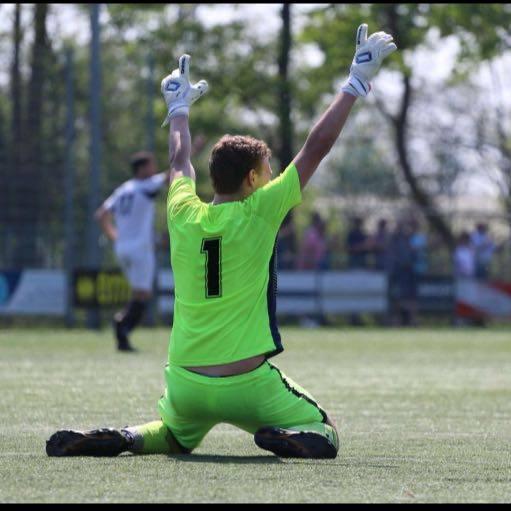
243, 95
481, 29
34, 107
482, 33
16, 91
487, 137
11, 139
257, 86
362, 172
51, 214
27, 139
285, 149
4, 181
500, 142
33, 172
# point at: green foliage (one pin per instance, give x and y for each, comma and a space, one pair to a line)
482, 30
363, 171
243, 96
239, 79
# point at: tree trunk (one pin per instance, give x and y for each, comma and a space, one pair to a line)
433, 216
285, 151
36, 86
504, 145
16, 92
11, 178
420, 196
5, 194
30, 191
53, 154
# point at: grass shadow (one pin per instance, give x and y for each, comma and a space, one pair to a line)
350, 465
239, 460
273, 460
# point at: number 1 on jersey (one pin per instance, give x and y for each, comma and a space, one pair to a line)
212, 248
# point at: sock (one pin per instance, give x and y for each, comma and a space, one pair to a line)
136, 309
154, 438
132, 315
323, 429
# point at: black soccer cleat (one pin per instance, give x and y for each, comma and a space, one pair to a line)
123, 342
287, 443
126, 347
96, 442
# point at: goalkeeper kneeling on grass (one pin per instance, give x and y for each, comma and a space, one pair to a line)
222, 253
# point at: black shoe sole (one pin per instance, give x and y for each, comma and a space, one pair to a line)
293, 444
98, 442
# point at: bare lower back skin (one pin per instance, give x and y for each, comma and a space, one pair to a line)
238, 367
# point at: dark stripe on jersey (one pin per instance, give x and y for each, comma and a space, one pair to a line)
299, 394
151, 195
271, 300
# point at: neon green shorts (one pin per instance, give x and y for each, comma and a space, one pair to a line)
194, 403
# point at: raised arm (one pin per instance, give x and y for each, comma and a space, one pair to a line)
368, 57
179, 94
323, 136
180, 148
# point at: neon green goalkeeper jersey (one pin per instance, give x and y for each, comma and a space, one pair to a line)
223, 261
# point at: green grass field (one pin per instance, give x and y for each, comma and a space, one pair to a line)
424, 415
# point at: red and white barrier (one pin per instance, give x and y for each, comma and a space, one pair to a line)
477, 299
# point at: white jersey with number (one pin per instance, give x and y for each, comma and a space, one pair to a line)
132, 205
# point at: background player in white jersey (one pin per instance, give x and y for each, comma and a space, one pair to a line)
127, 219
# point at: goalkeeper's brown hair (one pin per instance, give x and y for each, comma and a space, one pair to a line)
232, 158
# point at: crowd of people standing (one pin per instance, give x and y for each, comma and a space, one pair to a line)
399, 249
402, 251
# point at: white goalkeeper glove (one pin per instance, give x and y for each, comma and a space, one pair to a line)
178, 92
369, 55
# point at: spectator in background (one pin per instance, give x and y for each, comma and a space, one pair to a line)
336, 256
419, 245
379, 242
314, 256
314, 249
402, 278
287, 245
464, 258
484, 249
357, 244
